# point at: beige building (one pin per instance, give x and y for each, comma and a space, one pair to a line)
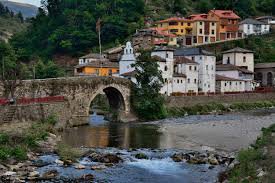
204, 29
239, 57
228, 85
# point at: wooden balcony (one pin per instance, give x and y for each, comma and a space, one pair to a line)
232, 28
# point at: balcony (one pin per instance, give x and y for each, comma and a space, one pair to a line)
232, 28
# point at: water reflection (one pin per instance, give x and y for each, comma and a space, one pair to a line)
101, 133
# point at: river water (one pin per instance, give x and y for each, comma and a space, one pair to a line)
159, 140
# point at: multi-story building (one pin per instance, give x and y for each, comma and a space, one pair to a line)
253, 27
177, 25
227, 24
204, 29
239, 57
237, 64
206, 67
149, 38
96, 65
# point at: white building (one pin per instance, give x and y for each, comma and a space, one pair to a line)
254, 27
190, 70
239, 57
235, 73
225, 84
206, 67
91, 57
165, 57
127, 60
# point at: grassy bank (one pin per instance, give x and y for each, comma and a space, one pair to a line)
257, 164
16, 145
217, 108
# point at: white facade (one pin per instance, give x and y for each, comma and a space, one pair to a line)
224, 86
191, 72
167, 68
91, 57
245, 60
127, 60
254, 29
207, 72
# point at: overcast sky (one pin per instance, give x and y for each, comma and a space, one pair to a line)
34, 2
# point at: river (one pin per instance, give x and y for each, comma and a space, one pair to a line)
159, 140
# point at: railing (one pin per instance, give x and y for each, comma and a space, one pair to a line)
258, 90
34, 100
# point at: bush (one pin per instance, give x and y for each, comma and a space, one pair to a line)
67, 153
4, 138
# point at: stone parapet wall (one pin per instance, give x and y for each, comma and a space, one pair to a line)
37, 112
185, 101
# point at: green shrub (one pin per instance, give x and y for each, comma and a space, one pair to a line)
67, 153
4, 138
19, 153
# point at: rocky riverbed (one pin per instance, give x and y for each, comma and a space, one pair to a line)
191, 149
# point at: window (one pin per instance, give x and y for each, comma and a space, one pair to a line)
188, 80
200, 31
165, 68
188, 24
181, 81
110, 72
230, 83
97, 71
225, 84
167, 55
165, 80
212, 67
200, 23
193, 58
244, 59
190, 68
248, 26
182, 23
240, 83
213, 32
178, 81
182, 30
195, 81
228, 60
222, 26
206, 67
173, 23
213, 24
195, 68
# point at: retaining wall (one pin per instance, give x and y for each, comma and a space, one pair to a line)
184, 101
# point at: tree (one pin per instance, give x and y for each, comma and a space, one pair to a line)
12, 70
20, 17
47, 70
147, 100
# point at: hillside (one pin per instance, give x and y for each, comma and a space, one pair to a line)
159, 9
11, 23
27, 10
263, 46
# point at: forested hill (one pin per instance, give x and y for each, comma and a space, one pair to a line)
158, 9
27, 10
10, 23
69, 27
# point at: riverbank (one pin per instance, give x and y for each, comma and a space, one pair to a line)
256, 164
21, 144
218, 108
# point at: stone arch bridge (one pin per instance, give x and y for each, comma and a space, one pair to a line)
77, 94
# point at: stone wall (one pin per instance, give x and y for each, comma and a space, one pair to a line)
185, 101
78, 93
37, 112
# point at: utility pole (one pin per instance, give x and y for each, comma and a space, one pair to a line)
3, 68
98, 28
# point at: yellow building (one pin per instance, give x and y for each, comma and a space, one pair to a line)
101, 67
177, 25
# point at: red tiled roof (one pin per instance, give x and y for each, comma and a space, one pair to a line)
184, 60
174, 19
158, 42
199, 17
224, 78
225, 14
129, 74
162, 31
